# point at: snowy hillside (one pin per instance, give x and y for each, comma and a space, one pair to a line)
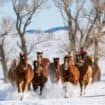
53, 94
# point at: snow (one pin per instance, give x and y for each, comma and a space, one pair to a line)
53, 94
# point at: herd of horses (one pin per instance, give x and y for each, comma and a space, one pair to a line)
22, 75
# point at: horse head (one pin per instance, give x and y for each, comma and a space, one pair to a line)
23, 60
66, 62
39, 55
56, 61
89, 60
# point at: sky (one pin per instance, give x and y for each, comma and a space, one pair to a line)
46, 18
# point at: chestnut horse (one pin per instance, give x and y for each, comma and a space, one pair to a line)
43, 61
54, 70
69, 73
23, 74
85, 73
40, 76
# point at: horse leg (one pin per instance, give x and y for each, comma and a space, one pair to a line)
29, 86
81, 88
41, 88
20, 89
35, 86
26, 86
85, 85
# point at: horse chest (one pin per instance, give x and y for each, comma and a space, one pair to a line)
88, 73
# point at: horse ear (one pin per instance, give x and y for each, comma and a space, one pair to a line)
20, 54
53, 59
57, 58
41, 52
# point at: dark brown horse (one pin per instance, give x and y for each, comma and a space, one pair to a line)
23, 74
40, 76
54, 70
85, 73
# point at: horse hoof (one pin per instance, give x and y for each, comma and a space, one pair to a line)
21, 98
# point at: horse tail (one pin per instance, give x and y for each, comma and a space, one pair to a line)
11, 72
11, 76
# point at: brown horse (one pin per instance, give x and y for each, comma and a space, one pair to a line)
54, 70
43, 61
23, 74
69, 73
40, 76
85, 73
96, 74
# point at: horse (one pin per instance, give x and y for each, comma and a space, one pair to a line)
69, 73
40, 76
42, 60
54, 70
23, 74
85, 73
96, 74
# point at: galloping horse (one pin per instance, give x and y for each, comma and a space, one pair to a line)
40, 76
85, 73
54, 70
43, 61
23, 74
69, 73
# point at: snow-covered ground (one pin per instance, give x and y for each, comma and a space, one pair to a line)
53, 94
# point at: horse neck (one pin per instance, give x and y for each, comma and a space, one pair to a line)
56, 65
39, 60
85, 64
35, 68
41, 71
20, 64
85, 67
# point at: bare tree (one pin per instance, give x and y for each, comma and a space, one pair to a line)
72, 19
24, 10
93, 34
2, 2
97, 33
75, 13
5, 27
